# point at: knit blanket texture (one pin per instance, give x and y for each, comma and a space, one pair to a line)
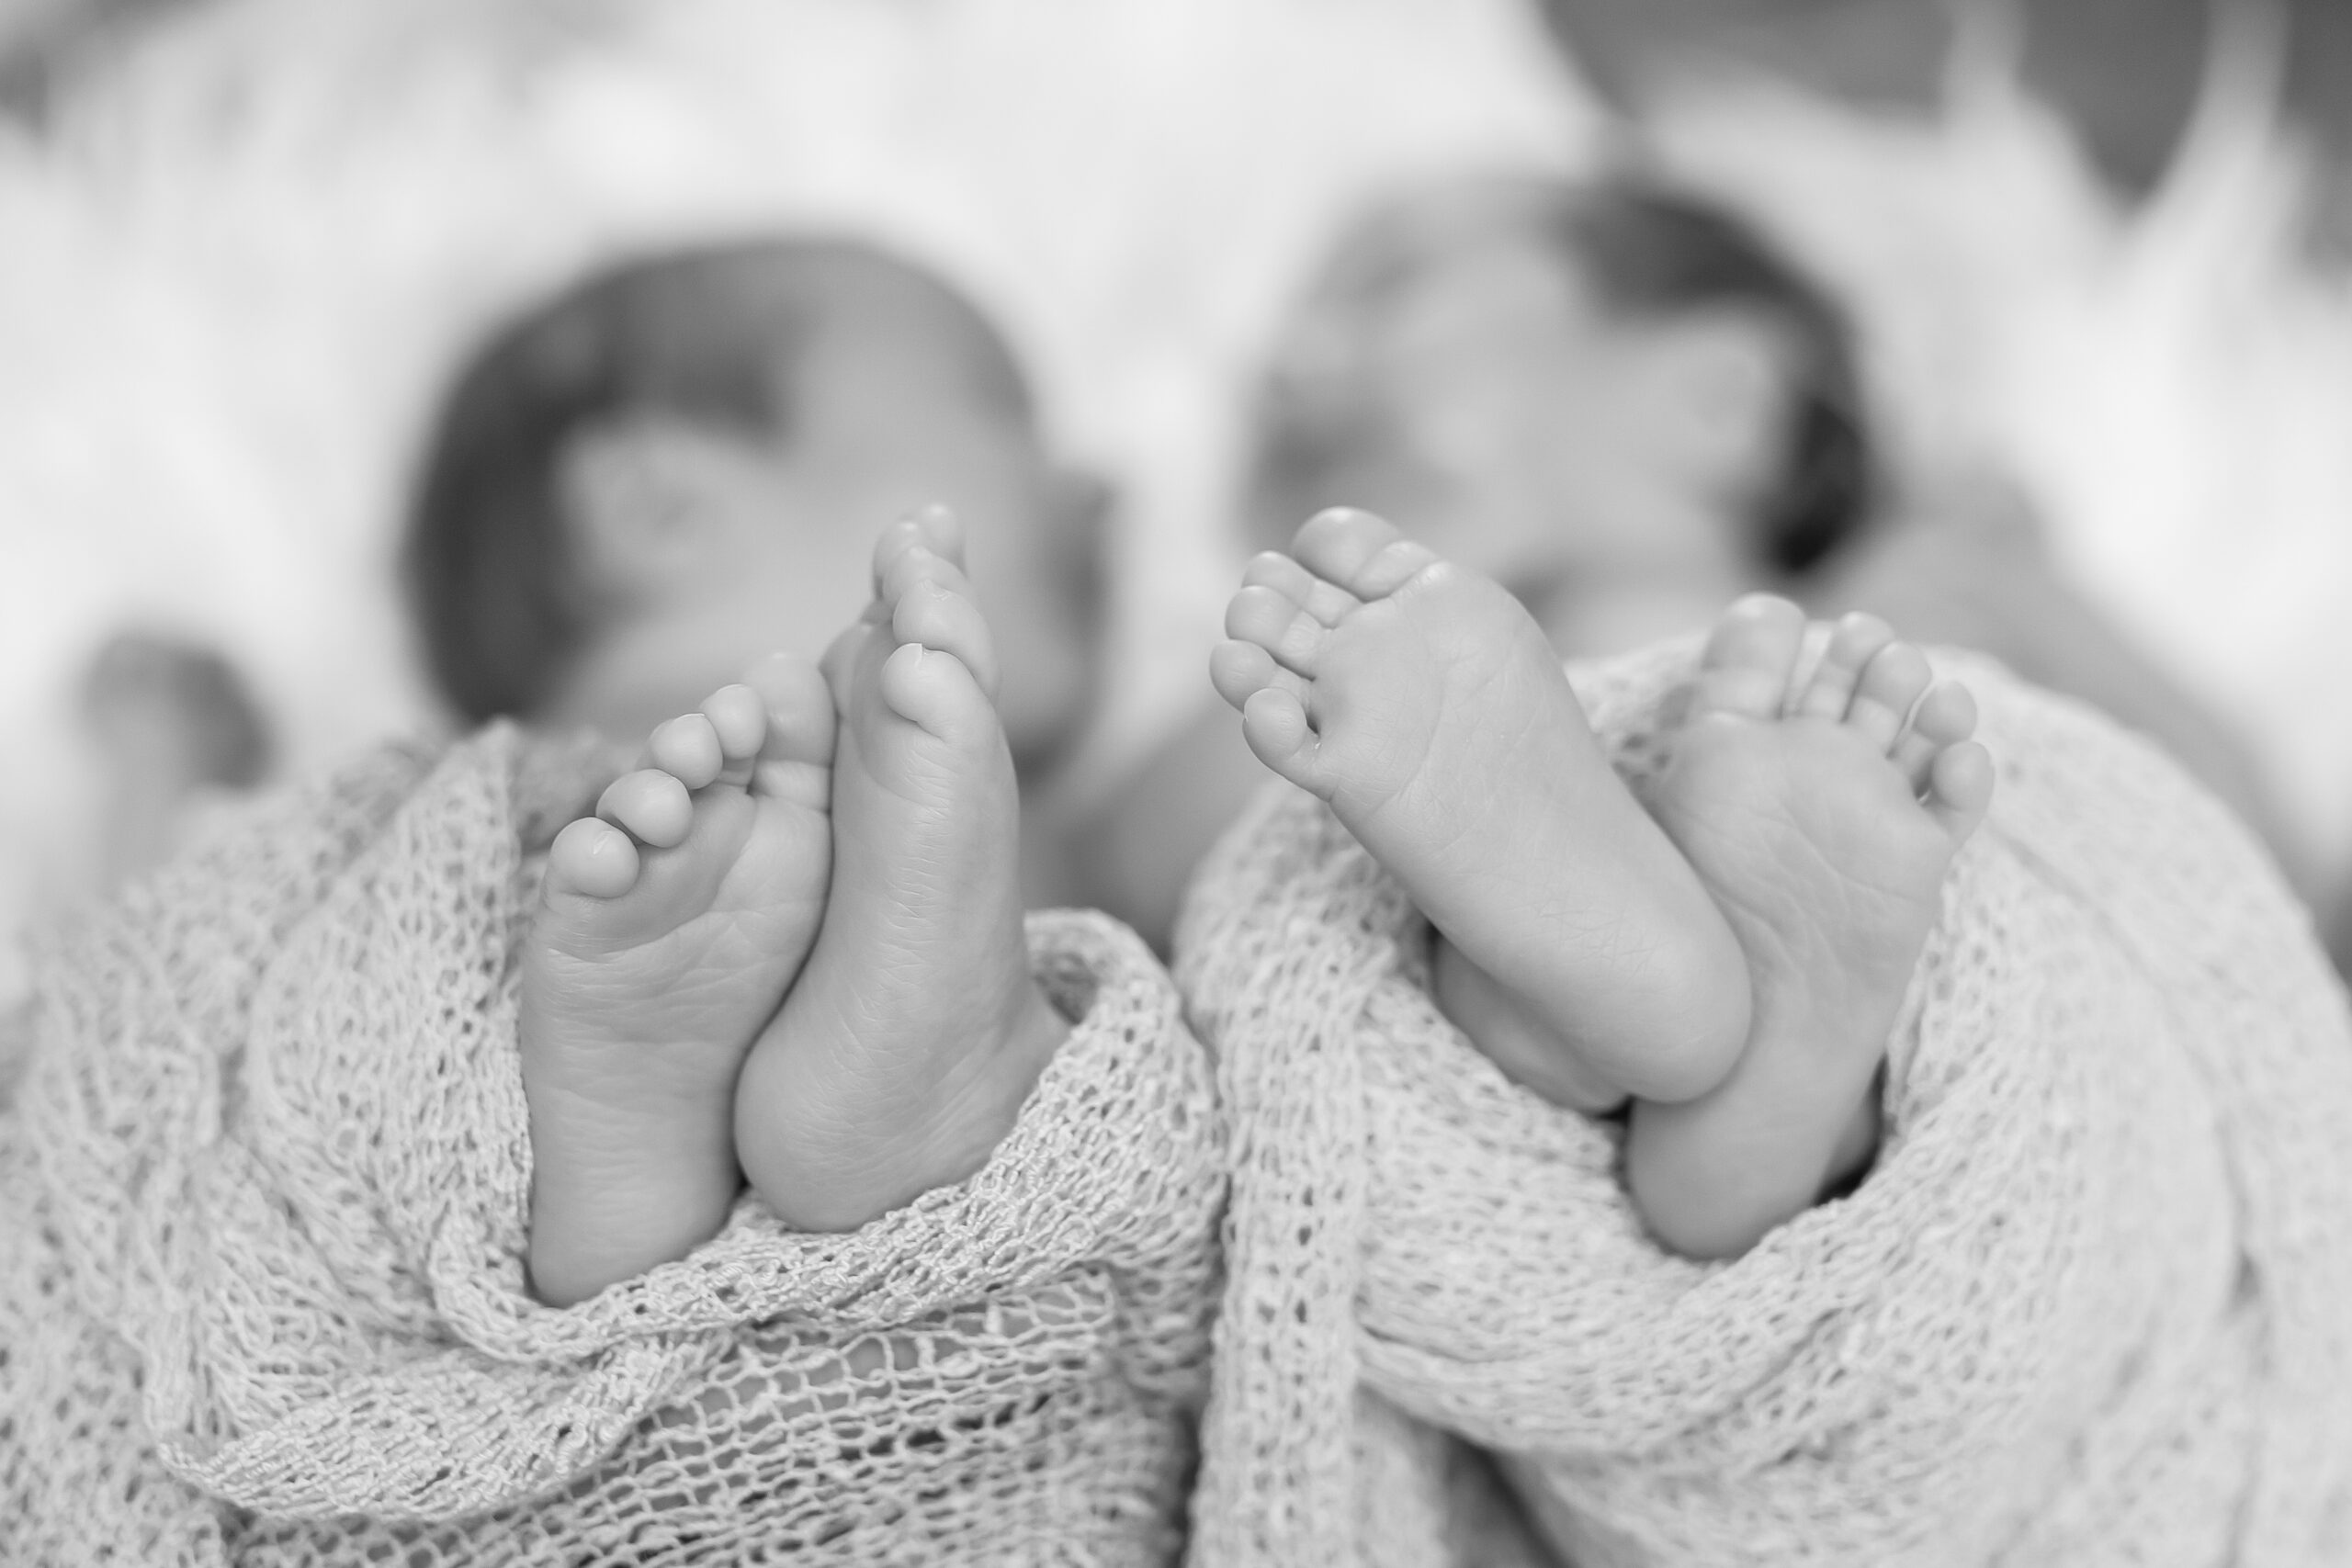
2093, 1304
263, 1200
262, 1220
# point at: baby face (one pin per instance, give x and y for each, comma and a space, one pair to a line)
885, 426
1474, 390
880, 422
1475, 384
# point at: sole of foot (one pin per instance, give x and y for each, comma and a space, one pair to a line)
1822, 810
915, 1033
672, 924
1421, 702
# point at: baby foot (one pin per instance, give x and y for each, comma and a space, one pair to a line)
672, 922
915, 1033
1422, 703
1822, 815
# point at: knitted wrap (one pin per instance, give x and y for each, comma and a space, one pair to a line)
261, 1212
2093, 1304
263, 1200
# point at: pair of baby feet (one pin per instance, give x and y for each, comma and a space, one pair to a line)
1728, 952
788, 946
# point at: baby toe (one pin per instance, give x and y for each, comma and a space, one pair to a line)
1240, 670
1276, 623
1959, 788
1391, 566
933, 528
1339, 542
933, 689
652, 805
1749, 660
738, 720
1890, 686
1274, 722
1855, 640
936, 617
1944, 718
918, 565
1327, 602
688, 749
591, 858
942, 527
797, 720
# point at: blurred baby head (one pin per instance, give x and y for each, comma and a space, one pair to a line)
170, 723
175, 713
1570, 385
682, 463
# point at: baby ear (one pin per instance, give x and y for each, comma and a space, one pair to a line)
638, 500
